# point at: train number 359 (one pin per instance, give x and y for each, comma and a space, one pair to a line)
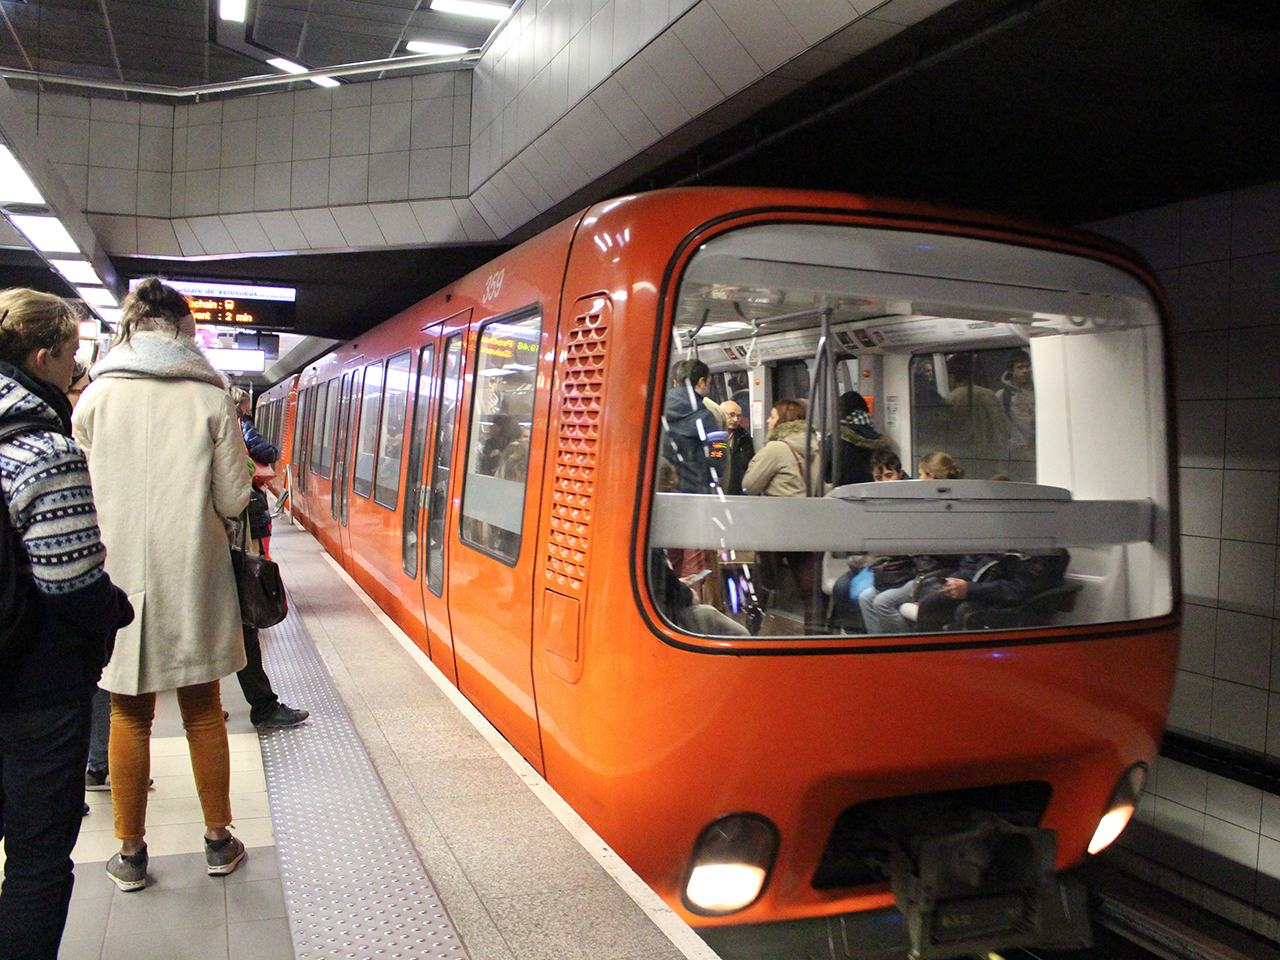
493, 286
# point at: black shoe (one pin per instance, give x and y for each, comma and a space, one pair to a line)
282, 716
86, 810
96, 780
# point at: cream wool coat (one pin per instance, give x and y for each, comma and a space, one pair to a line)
167, 461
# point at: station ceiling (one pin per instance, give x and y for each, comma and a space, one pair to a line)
1066, 111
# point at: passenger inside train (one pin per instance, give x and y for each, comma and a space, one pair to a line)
998, 364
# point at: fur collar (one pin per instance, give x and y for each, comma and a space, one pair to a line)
159, 355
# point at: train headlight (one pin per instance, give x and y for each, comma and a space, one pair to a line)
731, 864
1124, 800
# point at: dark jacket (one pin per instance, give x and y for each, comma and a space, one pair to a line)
859, 442
73, 609
689, 429
741, 448
260, 449
1013, 578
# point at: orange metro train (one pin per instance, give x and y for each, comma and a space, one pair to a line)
528, 472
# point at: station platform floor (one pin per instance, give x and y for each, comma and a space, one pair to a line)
395, 822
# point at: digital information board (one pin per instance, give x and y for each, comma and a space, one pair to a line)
237, 304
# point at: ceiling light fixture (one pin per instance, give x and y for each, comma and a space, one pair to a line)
15, 185
288, 66
97, 296
427, 46
472, 8
77, 271
232, 10
47, 234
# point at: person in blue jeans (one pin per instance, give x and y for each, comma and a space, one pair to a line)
70, 611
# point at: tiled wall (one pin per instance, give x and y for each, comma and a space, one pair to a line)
387, 140
1219, 258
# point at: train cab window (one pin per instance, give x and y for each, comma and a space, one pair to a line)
386, 480
367, 430
498, 450
1022, 388
413, 496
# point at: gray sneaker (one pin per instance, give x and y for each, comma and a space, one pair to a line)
222, 856
129, 873
96, 780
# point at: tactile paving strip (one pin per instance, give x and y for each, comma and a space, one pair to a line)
353, 882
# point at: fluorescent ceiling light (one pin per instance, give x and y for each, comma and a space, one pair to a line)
15, 185
426, 46
97, 296
77, 271
232, 10
472, 8
46, 234
288, 66
237, 361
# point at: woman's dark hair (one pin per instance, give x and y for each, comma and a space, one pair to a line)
153, 305
852, 402
31, 320
789, 410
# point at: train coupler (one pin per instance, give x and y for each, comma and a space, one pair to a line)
988, 887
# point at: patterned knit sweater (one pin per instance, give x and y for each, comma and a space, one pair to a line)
72, 617
46, 485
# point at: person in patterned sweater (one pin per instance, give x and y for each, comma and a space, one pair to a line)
67, 627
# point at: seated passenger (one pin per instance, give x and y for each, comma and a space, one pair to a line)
846, 612
858, 444
994, 592
895, 577
678, 603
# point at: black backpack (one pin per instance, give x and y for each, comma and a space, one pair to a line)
15, 589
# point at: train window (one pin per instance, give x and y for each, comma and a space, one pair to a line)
1022, 387
417, 450
446, 420
318, 430
367, 430
386, 479
296, 456
501, 419
330, 401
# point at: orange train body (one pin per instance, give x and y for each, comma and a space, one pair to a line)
649, 732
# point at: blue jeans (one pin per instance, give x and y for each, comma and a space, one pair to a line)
100, 730
42, 758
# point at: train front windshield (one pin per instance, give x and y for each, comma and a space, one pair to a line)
878, 433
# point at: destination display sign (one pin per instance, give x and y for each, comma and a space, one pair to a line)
237, 304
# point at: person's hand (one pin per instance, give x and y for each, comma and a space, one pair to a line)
955, 588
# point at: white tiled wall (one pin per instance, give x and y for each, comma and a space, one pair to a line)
1219, 258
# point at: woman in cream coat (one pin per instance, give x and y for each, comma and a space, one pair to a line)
168, 462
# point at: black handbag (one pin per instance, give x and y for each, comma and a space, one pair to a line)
263, 602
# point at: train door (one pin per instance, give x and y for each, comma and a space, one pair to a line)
491, 563
439, 392
341, 460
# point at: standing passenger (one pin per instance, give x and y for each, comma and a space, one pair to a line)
168, 459
69, 614
739, 446
266, 711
